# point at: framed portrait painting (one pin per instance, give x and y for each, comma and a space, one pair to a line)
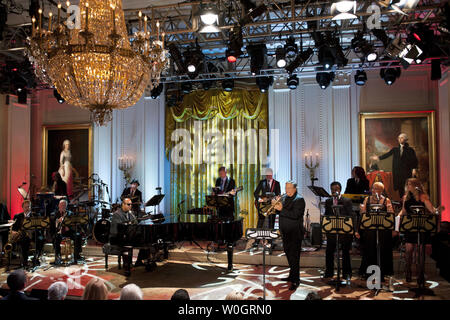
66, 156
398, 145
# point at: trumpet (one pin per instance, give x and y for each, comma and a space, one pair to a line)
271, 209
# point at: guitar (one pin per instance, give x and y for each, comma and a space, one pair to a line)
235, 191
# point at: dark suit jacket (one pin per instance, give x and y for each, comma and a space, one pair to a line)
229, 184
401, 166
263, 188
137, 195
357, 188
291, 216
119, 217
17, 296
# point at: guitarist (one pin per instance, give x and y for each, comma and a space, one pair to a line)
225, 185
265, 187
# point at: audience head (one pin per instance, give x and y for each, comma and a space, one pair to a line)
16, 280
180, 294
234, 295
126, 204
335, 187
95, 290
131, 292
57, 291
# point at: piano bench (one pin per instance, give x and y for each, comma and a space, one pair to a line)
109, 249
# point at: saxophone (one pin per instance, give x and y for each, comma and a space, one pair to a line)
12, 238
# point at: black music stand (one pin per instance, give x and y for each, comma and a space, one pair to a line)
218, 201
154, 201
377, 220
35, 224
421, 223
262, 234
75, 221
337, 225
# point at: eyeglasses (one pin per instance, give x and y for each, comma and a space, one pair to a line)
127, 204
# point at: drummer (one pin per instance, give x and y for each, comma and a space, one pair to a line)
135, 195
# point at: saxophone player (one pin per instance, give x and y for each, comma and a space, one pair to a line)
23, 238
60, 231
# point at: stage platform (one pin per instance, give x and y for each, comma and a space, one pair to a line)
205, 277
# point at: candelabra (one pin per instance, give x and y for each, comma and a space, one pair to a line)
126, 163
312, 166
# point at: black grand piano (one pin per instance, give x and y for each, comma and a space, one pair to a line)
157, 236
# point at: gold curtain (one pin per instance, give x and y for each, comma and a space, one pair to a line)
214, 110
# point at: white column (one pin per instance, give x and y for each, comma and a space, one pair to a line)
444, 138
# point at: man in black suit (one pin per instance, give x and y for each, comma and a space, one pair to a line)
345, 240
59, 231
268, 186
27, 237
292, 209
17, 281
135, 195
404, 163
225, 184
124, 215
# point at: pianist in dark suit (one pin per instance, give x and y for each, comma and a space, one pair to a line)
292, 209
225, 184
266, 186
26, 238
135, 195
17, 281
124, 215
344, 240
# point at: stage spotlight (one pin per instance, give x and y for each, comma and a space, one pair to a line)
209, 15
156, 91
228, 85
58, 96
343, 10
326, 58
292, 82
301, 58
360, 77
324, 79
193, 58
258, 56
363, 48
177, 58
264, 83
389, 75
235, 44
436, 72
252, 11
186, 87
290, 47
22, 95
281, 57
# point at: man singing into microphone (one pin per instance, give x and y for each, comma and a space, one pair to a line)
344, 209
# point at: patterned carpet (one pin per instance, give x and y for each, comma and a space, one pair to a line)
206, 281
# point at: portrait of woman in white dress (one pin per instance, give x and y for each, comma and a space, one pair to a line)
65, 167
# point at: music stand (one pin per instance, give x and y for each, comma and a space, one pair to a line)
421, 223
377, 220
218, 201
337, 225
75, 221
262, 234
34, 224
154, 201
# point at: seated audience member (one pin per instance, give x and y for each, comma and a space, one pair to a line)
95, 290
17, 281
234, 295
57, 291
131, 292
180, 294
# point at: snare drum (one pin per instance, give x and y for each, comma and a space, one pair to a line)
101, 230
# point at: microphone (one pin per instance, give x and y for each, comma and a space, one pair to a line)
378, 196
418, 189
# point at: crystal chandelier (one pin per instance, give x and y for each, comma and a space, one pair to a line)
97, 67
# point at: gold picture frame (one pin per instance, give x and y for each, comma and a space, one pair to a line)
379, 130
68, 131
